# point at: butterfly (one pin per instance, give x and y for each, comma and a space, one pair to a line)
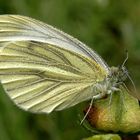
43, 69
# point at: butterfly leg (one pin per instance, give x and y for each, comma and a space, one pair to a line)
110, 92
98, 96
122, 96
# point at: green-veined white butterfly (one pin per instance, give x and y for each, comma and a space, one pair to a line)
44, 69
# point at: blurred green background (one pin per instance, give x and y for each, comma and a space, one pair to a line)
108, 26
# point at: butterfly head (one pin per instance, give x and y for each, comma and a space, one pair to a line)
119, 74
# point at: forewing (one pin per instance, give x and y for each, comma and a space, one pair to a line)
17, 28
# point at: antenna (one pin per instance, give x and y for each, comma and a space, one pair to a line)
129, 77
125, 59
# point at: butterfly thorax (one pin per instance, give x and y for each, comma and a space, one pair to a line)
112, 82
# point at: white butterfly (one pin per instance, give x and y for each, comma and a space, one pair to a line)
44, 69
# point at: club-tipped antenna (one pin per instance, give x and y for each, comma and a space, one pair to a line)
129, 77
125, 59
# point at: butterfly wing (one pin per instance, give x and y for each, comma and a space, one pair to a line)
43, 69
17, 28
